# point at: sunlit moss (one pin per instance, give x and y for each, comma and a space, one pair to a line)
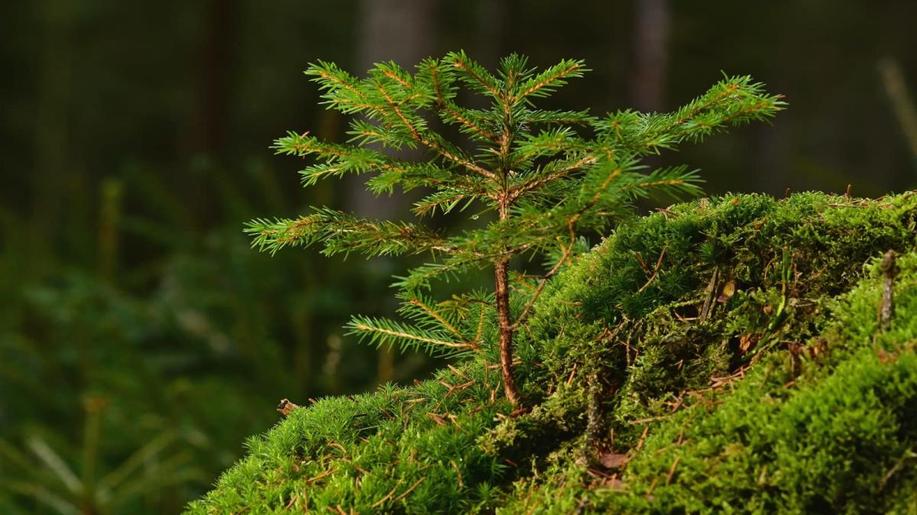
725, 354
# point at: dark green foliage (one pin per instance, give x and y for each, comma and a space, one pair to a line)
141, 379
785, 396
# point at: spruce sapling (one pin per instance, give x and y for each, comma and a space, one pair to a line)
544, 177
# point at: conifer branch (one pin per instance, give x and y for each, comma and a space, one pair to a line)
567, 250
382, 331
538, 117
338, 159
431, 143
420, 278
479, 331
445, 200
548, 81
341, 89
545, 143
274, 235
451, 113
474, 74
732, 101
435, 315
566, 254
342, 233
551, 174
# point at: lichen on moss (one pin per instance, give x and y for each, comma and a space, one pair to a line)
719, 355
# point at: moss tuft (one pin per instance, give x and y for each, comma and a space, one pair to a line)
724, 354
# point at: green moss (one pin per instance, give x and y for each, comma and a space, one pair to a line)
725, 352
829, 428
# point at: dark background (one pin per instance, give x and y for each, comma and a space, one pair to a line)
141, 340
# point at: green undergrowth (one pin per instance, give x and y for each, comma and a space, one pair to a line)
721, 355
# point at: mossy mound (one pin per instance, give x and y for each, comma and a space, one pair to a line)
721, 355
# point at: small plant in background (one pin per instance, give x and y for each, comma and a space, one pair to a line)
46, 476
543, 178
146, 334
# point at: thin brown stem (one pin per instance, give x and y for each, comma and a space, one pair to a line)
501, 266
501, 274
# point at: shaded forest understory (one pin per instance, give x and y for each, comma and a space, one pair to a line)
738, 353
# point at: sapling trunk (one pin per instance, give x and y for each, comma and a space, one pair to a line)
501, 267
501, 290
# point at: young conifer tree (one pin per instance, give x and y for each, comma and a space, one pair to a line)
544, 177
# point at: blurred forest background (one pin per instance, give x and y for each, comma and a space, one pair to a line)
142, 340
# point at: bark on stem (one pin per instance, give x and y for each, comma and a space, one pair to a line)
501, 266
501, 276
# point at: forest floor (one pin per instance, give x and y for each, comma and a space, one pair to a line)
738, 354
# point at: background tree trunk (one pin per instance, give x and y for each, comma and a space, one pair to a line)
491, 18
52, 125
651, 35
210, 120
209, 135
400, 31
